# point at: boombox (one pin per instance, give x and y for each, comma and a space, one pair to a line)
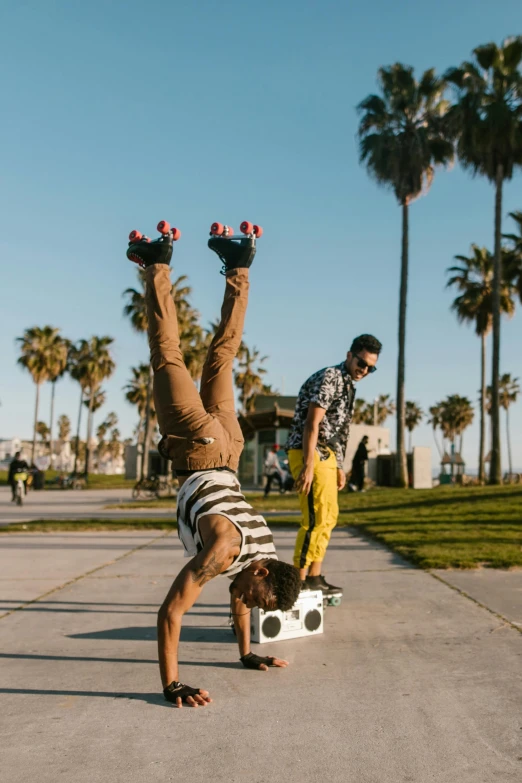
305, 618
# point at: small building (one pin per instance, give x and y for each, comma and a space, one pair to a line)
269, 424
451, 467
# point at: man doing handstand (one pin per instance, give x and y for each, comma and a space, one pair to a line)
218, 529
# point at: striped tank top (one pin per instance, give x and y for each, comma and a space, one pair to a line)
218, 492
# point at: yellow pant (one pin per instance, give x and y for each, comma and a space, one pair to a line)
320, 508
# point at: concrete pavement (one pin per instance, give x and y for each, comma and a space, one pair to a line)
84, 504
411, 681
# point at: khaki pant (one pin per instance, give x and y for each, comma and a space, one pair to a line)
320, 508
200, 429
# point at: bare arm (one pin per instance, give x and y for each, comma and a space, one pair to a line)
241, 618
215, 557
310, 436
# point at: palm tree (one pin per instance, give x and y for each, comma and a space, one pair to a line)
474, 278
58, 359
35, 349
436, 424
43, 430
402, 140
191, 337
102, 430
361, 412
414, 416
64, 427
138, 394
512, 261
381, 409
98, 365
509, 389
486, 121
77, 364
248, 377
456, 414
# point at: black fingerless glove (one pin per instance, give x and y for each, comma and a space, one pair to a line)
253, 661
176, 690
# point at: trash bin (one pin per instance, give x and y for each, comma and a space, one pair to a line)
39, 479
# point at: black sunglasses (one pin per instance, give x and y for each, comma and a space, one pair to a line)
364, 365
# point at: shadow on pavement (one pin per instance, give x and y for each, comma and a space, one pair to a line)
189, 633
93, 659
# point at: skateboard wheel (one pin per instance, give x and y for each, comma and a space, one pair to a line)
246, 227
258, 231
335, 600
135, 236
176, 233
163, 227
216, 229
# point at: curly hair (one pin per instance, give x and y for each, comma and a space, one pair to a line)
284, 582
366, 342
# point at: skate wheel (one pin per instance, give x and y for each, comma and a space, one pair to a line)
246, 227
135, 236
163, 227
176, 233
216, 229
258, 231
335, 600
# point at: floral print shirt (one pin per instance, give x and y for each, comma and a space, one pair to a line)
332, 389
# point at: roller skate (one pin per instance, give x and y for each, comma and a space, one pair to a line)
145, 252
235, 252
332, 596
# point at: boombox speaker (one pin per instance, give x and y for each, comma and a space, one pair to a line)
305, 618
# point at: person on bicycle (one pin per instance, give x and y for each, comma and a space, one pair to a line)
219, 530
18, 465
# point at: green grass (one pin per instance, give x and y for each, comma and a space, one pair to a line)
96, 481
447, 527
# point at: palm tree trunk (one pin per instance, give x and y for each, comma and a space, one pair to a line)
402, 473
146, 436
77, 449
481, 468
508, 442
35, 421
89, 435
53, 385
495, 474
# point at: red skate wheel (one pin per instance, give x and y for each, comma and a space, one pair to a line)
246, 227
176, 233
135, 236
258, 231
217, 229
163, 227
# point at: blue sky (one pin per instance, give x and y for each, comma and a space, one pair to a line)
116, 115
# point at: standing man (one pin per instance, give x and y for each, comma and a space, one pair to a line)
316, 447
358, 466
272, 469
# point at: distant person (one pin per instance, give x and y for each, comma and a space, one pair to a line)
18, 465
220, 532
316, 447
273, 470
358, 466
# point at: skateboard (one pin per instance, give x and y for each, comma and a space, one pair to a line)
333, 600
227, 232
